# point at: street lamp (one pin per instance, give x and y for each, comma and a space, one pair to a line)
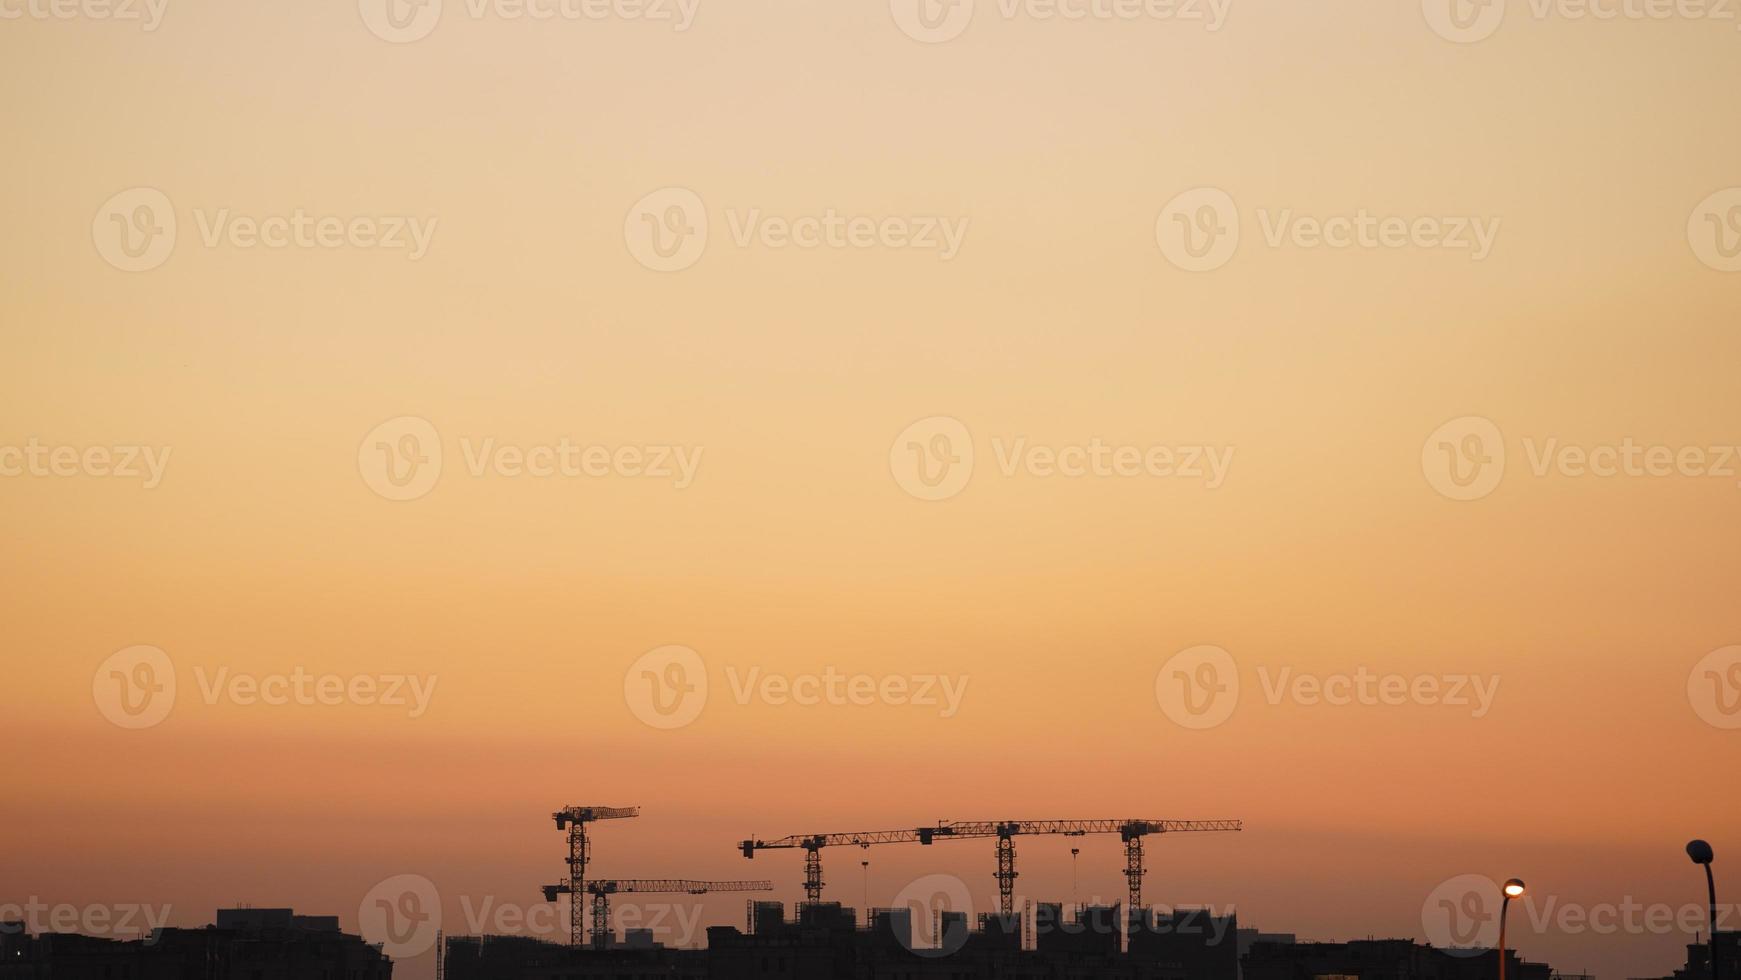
1701, 853
1513, 889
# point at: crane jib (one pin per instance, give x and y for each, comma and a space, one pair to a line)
1131, 831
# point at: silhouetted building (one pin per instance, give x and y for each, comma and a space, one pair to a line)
1196, 942
823, 941
1392, 959
1059, 937
1699, 958
765, 916
526, 958
1247, 937
245, 944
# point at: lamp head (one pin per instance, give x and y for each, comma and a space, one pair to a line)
1513, 888
1700, 852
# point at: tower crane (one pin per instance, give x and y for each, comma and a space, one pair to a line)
813, 845
602, 890
1130, 831
574, 820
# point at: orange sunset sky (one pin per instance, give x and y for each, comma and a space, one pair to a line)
526, 146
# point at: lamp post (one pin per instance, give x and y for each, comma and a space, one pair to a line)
1701, 853
1513, 889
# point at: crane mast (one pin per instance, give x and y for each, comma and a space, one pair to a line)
574, 820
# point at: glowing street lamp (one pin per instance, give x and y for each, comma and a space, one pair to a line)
1513, 889
1701, 853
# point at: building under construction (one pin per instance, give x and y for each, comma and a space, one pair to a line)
1038, 942
825, 942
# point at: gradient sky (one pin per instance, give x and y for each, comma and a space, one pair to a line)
1060, 321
